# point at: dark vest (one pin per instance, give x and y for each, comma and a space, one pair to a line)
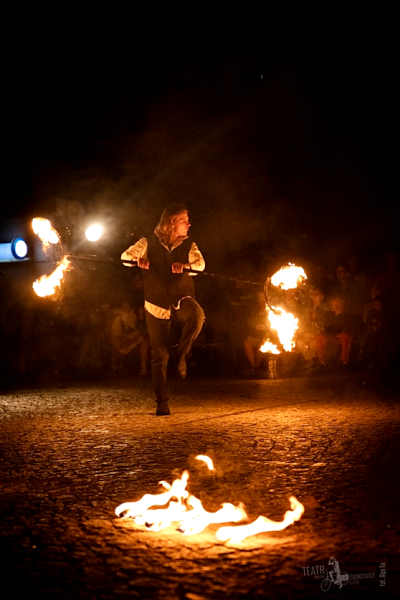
162, 287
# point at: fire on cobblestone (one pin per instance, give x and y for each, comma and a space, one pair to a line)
189, 516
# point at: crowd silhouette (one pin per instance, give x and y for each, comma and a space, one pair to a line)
348, 320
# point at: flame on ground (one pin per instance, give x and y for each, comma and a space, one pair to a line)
188, 513
46, 284
288, 277
44, 230
197, 519
237, 534
138, 510
185, 509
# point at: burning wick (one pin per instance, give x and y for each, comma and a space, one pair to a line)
46, 284
207, 460
269, 347
188, 512
44, 230
286, 326
284, 323
288, 277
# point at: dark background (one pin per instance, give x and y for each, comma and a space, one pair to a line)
281, 141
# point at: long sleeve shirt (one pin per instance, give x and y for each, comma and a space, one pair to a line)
140, 249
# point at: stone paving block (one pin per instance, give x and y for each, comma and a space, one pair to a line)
70, 455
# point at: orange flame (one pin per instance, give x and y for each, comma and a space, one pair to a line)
188, 512
235, 535
176, 490
288, 277
190, 515
286, 325
198, 518
44, 230
46, 284
269, 347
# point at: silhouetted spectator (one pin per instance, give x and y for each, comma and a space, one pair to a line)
388, 282
377, 342
339, 332
346, 289
354, 269
311, 324
359, 280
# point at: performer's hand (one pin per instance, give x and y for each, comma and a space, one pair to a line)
143, 263
177, 267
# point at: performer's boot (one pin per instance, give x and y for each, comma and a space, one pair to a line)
162, 409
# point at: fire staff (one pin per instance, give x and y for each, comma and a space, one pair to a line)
168, 292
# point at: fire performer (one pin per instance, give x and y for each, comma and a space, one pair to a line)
168, 293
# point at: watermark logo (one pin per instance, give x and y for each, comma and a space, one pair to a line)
333, 575
382, 574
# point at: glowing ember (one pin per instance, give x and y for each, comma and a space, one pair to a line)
235, 535
188, 513
286, 325
44, 230
288, 277
207, 460
46, 284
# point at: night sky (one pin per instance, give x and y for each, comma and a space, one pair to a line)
281, 150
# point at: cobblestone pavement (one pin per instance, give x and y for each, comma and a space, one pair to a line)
70, 455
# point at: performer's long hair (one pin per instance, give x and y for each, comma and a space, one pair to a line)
165, 225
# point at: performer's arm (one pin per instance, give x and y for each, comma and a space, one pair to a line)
196, 260
137, 252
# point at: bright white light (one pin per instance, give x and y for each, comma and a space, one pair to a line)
93, 233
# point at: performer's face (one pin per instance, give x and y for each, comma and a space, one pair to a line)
181, 224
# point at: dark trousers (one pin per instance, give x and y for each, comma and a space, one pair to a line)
191, 316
